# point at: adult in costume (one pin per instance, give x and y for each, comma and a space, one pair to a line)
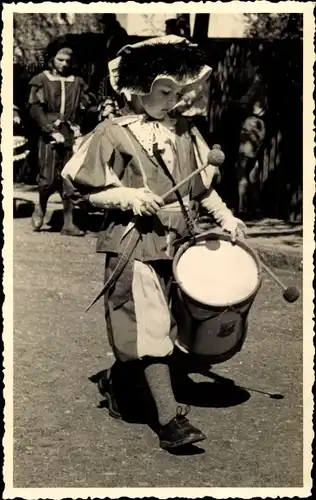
56, 100
124, 167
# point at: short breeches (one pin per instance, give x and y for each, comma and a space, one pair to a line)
139, 321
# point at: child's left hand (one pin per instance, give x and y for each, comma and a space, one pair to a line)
236, 227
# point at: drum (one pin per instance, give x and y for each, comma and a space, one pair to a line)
216, 282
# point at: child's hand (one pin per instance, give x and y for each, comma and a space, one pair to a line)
146, 202
236, 227
141, 200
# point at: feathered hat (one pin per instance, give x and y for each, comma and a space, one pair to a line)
137, 67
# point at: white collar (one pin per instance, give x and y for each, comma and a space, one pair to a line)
151, 132
58, 78
128, 118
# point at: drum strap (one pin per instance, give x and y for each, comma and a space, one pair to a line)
187, 216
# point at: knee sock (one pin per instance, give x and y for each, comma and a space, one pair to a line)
68, 213
43, 200
123, 373
157, 374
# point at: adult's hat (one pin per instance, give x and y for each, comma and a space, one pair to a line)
137, 67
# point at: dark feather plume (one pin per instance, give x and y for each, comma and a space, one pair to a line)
139, 67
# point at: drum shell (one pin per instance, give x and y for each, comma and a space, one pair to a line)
215, 332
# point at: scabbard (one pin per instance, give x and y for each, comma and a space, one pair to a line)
125, 256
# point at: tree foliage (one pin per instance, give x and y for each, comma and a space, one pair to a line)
32, 32
274, 26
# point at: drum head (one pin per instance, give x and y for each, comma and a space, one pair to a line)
217, 273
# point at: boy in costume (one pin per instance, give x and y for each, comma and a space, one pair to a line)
56, 100
124, 167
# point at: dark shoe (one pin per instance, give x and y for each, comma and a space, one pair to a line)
72, 231
105, 386
37, 218
179, 432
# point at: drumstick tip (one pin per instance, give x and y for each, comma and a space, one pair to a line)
291, 294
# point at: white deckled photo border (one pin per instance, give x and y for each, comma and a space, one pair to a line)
307, 9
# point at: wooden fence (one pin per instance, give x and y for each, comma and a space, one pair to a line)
280, 161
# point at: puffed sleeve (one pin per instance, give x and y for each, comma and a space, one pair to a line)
95, 166
36, 104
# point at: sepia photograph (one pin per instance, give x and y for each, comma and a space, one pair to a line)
158, 333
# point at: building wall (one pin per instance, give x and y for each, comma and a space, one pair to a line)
144, 24
224, 25
122, 19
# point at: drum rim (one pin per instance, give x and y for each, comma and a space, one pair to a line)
211, 235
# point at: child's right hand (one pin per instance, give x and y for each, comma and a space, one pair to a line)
141, 200
146, 202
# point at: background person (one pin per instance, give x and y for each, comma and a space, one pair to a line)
253, 109
56, 100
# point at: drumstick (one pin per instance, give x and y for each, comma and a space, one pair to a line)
215, 159
290, 293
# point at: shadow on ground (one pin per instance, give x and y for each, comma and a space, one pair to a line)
22, 208
89, 222
137, 406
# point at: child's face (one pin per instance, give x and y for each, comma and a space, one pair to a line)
163, 97
62, 62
